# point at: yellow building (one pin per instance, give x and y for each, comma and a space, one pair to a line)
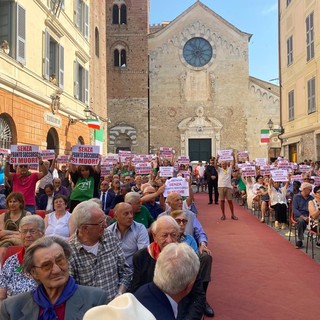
44, 73
299, 40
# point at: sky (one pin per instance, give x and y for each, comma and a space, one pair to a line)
257, 17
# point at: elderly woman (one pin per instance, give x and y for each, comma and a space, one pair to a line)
182, 220
57, 295
58, 222
9, 221
13, 279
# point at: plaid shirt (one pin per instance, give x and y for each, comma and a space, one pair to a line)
108, 270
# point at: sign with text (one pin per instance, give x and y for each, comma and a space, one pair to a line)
297, 177
143, 168
4, 151
249, 171
63, 159
85, 155
304, 168
265, 170
47, 154
179, 185
225, 155
279, 175
26, 154
166, 152
166, 172
261, 162
183, 160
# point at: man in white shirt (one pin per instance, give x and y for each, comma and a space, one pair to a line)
225, 187
200, 169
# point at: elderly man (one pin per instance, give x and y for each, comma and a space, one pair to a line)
174, 276
300, 210
195, 229
133, 235
165, 230
57, 295
59, 188
140, 213
97, 258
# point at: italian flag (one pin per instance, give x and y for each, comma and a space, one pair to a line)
93, 124
264, 138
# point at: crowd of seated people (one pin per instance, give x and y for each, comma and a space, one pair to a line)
110, 234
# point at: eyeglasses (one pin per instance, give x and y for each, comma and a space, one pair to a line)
104, 184
31, 231
61, 262
183, 221
23, 165
172, 235
96, 224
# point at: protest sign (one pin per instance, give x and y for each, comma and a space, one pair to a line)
249, 171
143, 168
85, 155
179, 185
166, 172
49, 154
265, 170
24, 154
261, 162
279, 175
225, 155
63, 159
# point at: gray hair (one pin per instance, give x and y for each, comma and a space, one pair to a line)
81, 214
176, 267
41, 243
34, 218
155, 225
131, 197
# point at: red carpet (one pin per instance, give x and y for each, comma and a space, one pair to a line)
257, 274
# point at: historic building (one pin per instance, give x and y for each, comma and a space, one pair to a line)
299, 66
44, 73
201, 97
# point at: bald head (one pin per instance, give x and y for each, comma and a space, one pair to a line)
174, 200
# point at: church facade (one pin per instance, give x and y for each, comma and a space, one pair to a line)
199, 95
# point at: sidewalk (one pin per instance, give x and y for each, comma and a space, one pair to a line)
257, 273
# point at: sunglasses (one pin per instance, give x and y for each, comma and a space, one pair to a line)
23, 166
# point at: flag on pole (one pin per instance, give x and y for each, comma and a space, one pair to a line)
93, 124
265, 136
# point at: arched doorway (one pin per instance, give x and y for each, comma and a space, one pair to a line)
53, 140
8, 133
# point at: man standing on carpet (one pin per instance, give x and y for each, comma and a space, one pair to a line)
211, 175
225, 187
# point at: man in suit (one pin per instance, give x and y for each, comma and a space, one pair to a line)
174, 276
57, 296
106, 196
211, 175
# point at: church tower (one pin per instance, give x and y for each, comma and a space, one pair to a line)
127, 26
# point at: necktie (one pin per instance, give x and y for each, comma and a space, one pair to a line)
103, 201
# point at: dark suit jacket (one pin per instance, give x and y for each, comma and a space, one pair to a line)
109, 199
191, 307
23, 307
155, 301
43, 201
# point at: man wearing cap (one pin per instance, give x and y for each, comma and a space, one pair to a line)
300, 210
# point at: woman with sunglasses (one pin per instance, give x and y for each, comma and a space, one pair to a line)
10, 220
182, 220
25, 182
13, 279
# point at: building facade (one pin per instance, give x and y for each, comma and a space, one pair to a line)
299, 65
127, 72
201, 97
44, 73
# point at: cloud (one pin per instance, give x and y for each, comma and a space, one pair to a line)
272, 8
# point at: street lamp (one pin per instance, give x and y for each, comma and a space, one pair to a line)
270, 124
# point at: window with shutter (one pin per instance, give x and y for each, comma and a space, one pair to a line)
61, 66
21, 34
